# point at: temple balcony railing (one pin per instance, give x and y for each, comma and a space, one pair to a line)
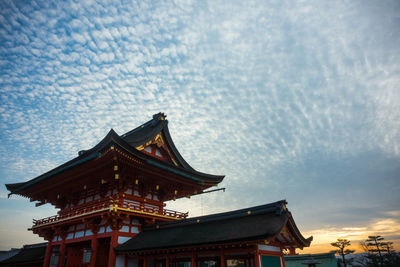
112, 205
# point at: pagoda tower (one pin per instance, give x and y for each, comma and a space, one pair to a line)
109, 192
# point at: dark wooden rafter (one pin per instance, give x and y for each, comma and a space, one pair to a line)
73, 180
47, 233
114, 219
93, 224
206, 249
61, 231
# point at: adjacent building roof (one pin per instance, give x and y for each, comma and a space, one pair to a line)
251, 224
129, 141
5, 254
323, 259
28, 254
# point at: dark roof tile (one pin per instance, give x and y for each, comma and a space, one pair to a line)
28, 254
261, 222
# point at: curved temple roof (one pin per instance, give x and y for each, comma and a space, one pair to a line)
29, 254
130, 141
256, 223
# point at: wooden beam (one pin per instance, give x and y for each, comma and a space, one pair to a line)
40, 204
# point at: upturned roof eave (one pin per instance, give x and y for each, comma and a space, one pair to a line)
305, 242
113, 138
148, 130
82, 158
189, 173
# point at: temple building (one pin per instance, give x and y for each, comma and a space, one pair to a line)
111, 201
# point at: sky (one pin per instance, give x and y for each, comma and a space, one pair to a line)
290, 100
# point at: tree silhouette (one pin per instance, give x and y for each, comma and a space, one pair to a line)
341, 244
388, 247
380, 252
374, 244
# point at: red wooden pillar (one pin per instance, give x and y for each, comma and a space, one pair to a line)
111, 254
283, 260
62, 254
46, 261
125, 260
222, 258
167, 261
144, 261
194, 260
292, 251
257, 257
94, 246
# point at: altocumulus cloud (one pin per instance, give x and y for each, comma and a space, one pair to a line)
296, 101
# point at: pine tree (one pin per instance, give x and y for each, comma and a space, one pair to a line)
341, 244
380, 252
374, 245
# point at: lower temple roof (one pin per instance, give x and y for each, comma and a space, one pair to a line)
28, 254
251, 224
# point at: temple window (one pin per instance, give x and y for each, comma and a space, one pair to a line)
55, 255
183, 264
236, 263
87, 254
240, 261
209, 263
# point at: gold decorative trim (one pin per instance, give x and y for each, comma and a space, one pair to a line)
148, 213
158, 140
111, 208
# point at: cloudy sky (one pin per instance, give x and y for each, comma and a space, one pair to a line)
296, 101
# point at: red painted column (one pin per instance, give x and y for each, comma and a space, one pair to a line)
167, 261
94, 246
283, 260
125, 260
257, 258
46, 261
194, 260
144, 261
222, 258
111, 254
62, 254
292, 251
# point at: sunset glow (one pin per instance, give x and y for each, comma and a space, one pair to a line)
388, 228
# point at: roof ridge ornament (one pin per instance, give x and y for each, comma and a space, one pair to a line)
159, 116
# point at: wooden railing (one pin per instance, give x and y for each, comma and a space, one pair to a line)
125, 204
73, 213
143, 207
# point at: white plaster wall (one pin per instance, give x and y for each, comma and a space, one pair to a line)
119, 261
